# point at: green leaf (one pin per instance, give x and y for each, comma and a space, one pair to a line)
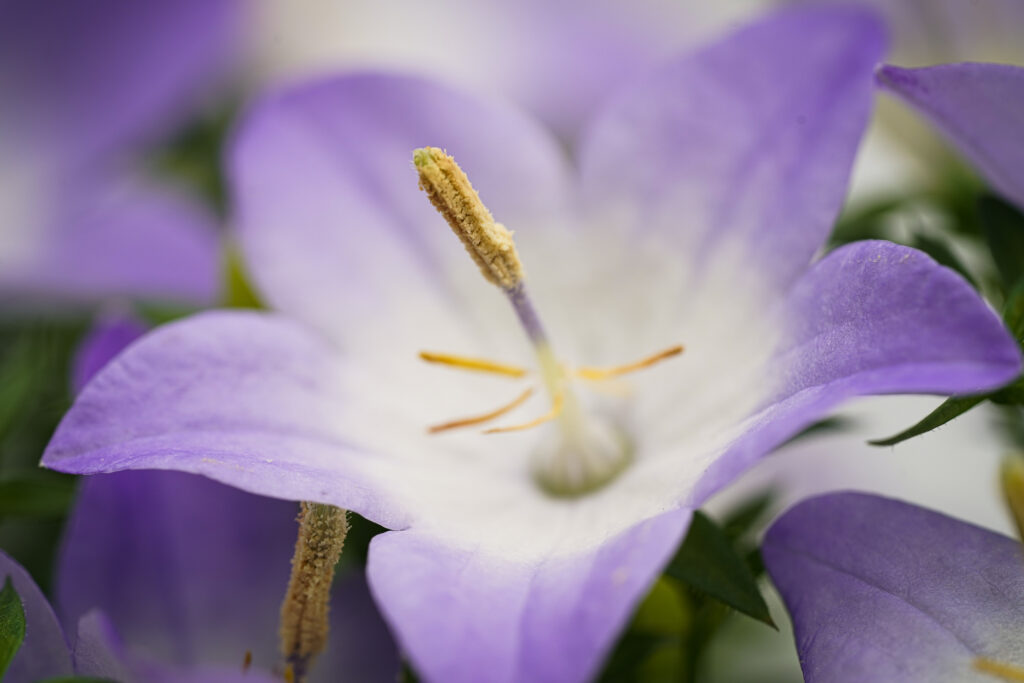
951, 408
238, 289
708, 562
1004, 231
36, 495
741, 519
1013, 311
12, 624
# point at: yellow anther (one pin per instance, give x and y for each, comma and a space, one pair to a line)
595, 374
1007, 672
476, 364
289, 674
449, 190
247, 661
556, 410
486, 417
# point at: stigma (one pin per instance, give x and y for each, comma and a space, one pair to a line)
581, 451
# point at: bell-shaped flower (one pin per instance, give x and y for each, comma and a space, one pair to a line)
169, 577
880, 590
668, 327
85, 88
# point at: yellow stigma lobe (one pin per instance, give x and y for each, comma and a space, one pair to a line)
486, 417
475, 364
449, 190
615, 371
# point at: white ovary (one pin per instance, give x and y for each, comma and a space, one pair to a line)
606, 298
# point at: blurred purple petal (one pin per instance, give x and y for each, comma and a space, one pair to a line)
110, 334
87, 78
99, 650
44, 652
113, 239
884, 591
465, 615
747, 144
978, 108
873, 318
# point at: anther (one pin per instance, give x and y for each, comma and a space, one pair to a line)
247, 661
486, 417
476, 364
592, 373
489, 243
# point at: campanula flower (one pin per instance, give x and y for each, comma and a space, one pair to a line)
630, 331
169, 577
885, 591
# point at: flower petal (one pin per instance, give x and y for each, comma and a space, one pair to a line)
885, 591
977, 107
109, 238
98, 649
872, 318
110, 335
465, 615
80, 81
44, 651
332, 223
747, 144
192, 572
250, 399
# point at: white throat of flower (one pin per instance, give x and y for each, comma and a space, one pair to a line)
586, 451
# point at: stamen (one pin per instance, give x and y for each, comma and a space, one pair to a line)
1007, 672
596, 374
247, 661
476, 364
556, 409
486, 417
449, 190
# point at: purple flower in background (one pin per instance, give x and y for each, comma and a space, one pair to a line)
885, 591
701, 195
978, 108
164, 576
84, 87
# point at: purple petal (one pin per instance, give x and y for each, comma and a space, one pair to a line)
44, 652
873, 318
84, 79
463, 615
250, 399
333, 225
746, 144
884, 591
978, 108
110, 334
99, 650
115, 238
189, 571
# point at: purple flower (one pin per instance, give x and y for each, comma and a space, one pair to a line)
885, 591
701, 194
977, 107
165, 576
83, 89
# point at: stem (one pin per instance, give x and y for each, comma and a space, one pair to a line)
304, 613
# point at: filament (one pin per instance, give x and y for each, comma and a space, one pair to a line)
486, 417
556, 410
475, 364
593, 373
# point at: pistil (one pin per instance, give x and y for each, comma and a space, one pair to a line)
586, 452
304, 613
